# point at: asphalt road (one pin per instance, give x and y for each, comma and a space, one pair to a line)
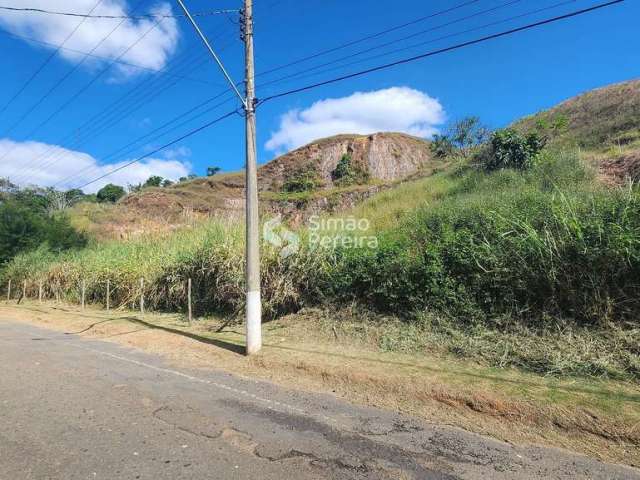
72, 408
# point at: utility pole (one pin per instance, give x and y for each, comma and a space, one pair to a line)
253, 306
84, 286
189, 314
252, 255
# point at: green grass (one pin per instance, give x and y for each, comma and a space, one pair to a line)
212, 255
537, 270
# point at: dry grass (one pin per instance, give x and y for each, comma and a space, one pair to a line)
595, 417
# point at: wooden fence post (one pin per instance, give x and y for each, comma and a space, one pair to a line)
142, 296
40, 292
108, 293
9, 291
189, 299
24, 289
84, 286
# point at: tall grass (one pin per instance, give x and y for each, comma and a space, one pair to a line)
544, 244
470, 245
211, 255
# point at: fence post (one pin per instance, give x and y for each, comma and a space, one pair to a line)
189, 298
40, 292
57, 293
142, 296
84, 286
108, 294
9, 291
24, 289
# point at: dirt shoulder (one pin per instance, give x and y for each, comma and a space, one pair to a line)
594, 417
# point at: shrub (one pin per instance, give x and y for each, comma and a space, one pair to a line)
110, 193
441, 146
346, 173
510, 149
305, 179
535, 246
23, 229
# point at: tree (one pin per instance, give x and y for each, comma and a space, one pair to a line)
74, 196
23, 228
153, 181
468, 133
211, 171
110, 193
167, 183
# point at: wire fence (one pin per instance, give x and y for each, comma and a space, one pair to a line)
101, 294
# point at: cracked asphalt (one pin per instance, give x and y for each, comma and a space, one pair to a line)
72, 408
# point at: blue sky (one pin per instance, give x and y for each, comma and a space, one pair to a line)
499, 81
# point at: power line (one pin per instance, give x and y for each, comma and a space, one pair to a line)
101, 121
63, 79
306, 74
110, 118
100, 57
46, 62
418, 20
91, 82
368, 37
113, 17
167, 145
442, 50
128, 148
393, 42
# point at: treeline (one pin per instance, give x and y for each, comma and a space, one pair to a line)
112, 193
34, 216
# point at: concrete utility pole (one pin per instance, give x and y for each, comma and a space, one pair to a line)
142, 296
254, 304
253, 307
189, 316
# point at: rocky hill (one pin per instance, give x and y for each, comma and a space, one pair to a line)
383, 158
603, 124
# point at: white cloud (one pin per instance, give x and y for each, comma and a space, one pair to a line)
25, 164
152, 51
397, 109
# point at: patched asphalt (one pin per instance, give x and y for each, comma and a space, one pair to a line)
73, 408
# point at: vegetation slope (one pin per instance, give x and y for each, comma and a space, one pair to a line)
517, 254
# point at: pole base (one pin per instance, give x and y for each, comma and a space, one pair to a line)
254, 322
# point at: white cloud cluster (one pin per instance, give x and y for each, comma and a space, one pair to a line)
396, 109
152, 49
24, 164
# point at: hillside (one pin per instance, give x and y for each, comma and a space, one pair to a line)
603, 124
606, 116
531, 266
386, 158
